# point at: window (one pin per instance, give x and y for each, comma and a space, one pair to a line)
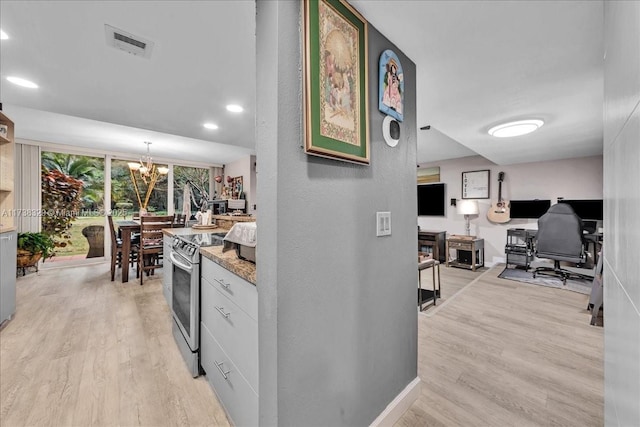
73, 204
192, 181
124, 199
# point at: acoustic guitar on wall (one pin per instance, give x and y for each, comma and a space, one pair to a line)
499, 211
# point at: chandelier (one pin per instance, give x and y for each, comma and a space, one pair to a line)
148, 173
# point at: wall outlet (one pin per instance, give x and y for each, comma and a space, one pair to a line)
383, 224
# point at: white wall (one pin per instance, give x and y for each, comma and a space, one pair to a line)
579, 178
244, 167
622, 213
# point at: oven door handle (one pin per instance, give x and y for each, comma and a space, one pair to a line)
179, 263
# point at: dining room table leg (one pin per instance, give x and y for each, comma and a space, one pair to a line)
126, 254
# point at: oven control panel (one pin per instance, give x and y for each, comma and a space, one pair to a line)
187, 249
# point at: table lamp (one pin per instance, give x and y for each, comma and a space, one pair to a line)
467, 208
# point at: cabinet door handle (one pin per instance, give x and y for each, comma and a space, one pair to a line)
221, 311
219, 366
222, 283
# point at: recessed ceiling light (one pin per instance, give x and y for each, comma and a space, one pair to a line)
212, 126
3, 35
22, 82
521, 127
235, 108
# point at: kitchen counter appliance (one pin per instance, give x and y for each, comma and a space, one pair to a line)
185, 293
243, 238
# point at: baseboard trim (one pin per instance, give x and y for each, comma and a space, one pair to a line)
399, 405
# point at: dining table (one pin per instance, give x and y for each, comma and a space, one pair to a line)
127, 228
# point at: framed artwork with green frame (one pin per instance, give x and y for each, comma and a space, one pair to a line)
336, 81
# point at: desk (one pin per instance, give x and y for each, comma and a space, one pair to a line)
126, 229
462, 244
589, 239
595, 239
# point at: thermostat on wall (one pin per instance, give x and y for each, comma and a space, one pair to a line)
391, 131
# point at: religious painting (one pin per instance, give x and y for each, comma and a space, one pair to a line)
336, 82
391, 86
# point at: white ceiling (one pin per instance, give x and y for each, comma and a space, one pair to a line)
479, 63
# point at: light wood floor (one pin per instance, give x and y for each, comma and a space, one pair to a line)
504, 353
86, 351
83, 350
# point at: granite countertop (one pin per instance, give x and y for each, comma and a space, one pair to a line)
230, 261
189, 230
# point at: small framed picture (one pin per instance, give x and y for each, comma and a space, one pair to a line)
475, 184
4, 131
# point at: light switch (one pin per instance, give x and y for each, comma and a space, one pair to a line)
383, 224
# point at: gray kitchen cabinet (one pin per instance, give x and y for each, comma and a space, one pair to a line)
167, 269
229, 340
8, 250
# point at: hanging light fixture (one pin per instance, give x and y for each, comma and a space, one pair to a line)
145, 166
149, 174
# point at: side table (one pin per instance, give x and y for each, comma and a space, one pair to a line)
469, 252
426, 295
432, 242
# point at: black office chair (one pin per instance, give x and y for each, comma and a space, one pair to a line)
559, 238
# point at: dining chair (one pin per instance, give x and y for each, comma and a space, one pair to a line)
179, 221
116, 249
150, 246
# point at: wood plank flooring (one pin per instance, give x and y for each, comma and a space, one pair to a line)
504, 353
86, 351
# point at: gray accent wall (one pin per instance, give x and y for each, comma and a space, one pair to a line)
622, 212
337, 305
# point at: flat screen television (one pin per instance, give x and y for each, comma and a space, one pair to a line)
586, 209
432, 199
526, 209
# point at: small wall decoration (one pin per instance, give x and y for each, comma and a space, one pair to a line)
236, 187
336, 83
427, 175
475, 184
391, 92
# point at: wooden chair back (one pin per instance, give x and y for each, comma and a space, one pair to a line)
150, 247
112, 229
151, 230
179, 220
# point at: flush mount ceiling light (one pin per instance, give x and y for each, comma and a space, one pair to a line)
520, 127
3, 35
211, 126
22, 82
235, 108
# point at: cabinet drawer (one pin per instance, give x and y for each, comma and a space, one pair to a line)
234, 330
238, 398
460, 245
238, 290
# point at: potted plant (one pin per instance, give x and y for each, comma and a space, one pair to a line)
32, 247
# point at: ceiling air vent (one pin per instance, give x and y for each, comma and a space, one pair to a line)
128, 42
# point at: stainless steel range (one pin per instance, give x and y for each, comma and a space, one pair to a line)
185, 293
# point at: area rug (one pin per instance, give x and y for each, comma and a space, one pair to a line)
520, 275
